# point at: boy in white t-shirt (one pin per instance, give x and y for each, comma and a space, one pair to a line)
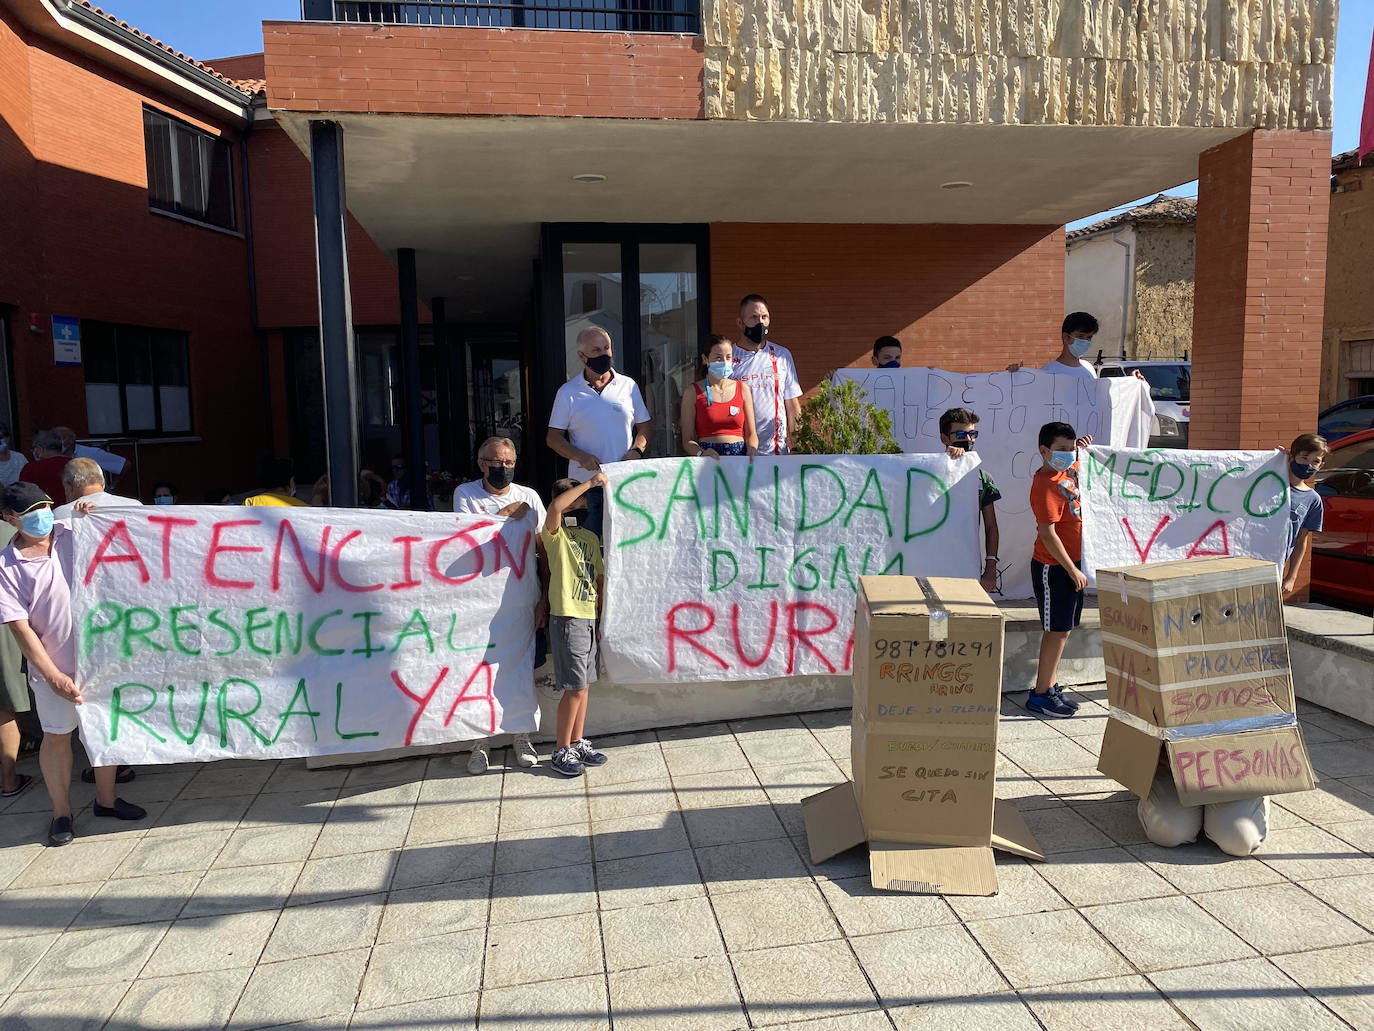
495, 494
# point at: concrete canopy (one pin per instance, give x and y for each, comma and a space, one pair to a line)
469, 193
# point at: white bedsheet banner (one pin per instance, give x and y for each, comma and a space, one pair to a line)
1161, 505
209, 633
727, 570
1012, 406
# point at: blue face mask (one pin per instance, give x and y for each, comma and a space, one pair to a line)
38, 523
164, 499
721, 370
1062, 461
1079, 346
894, 364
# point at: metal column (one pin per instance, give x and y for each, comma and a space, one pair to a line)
413, 420
336, 311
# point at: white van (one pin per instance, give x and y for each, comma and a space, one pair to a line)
1169, 381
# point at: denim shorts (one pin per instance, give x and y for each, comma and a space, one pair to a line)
728, 449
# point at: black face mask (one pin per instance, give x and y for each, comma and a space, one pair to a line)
574, 518
890, 365
756, 333
600, 365
499, 476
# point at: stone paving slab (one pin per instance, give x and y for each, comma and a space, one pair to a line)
673, 890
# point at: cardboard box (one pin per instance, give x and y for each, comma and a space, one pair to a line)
1196, 653
927, 698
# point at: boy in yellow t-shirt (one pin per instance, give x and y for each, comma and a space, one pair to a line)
575, 584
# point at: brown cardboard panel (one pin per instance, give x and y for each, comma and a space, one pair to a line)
1227, 767
832, 822
1010, 833
927, 698
931, 787
1129, 757
932, 871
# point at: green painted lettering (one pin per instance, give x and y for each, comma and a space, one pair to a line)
416, 626
315, 627
716, 556
150, 623
338, 713
291, 710
226, 713
940, 507
685, 476
802, 524
119, 712
215, 620
879, 506
369, 649
200, 713
642, 513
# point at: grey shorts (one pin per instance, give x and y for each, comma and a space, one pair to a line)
14, 687
573, 643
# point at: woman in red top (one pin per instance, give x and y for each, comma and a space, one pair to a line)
717, 414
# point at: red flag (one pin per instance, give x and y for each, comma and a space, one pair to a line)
1367, 119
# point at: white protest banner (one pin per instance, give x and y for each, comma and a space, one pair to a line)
731, 570
209, 633
1012, 407
1159, 505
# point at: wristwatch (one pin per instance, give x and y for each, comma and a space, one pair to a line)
640, 450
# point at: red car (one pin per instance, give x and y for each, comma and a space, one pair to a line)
1343, 553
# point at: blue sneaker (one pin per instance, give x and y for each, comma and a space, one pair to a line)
1049, 704
566, 762
1058, 692
587, 754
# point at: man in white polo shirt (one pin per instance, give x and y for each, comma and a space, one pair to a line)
497, 494
771, 375
598, 416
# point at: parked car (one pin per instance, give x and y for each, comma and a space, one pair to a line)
1170, 383
1343, 553
1347, 417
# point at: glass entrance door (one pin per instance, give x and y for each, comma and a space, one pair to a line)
646, 285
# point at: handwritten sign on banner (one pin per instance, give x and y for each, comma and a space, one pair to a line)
208, 633
731, 570
1012, 407
1163, 504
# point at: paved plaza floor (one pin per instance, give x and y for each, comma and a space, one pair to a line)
671, 891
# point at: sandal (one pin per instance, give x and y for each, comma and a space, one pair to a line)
25, 782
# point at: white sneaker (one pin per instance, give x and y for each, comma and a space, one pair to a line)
524, 751
478, 761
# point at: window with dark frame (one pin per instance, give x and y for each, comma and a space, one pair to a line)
190, 172
138, 380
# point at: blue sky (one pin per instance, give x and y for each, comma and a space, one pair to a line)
218, 28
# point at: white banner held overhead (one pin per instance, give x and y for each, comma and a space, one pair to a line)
1013, 406
1161, 505
210, 633
729, 570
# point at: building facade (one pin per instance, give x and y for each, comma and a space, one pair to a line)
901, 168
1348, 328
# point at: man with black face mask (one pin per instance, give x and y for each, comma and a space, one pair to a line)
770, 374
496, 494
959, 434
599, 416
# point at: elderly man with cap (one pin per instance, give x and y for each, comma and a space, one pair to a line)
36, 604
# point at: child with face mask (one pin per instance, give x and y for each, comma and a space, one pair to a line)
1306, 455
959, 435
1055, 575
717, 416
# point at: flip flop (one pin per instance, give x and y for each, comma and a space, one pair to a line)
25, 782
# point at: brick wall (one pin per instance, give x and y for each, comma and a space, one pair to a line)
16, 168
284, 242
965, 298
1260, 278
317, 66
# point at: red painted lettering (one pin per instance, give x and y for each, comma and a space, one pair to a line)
103, 557
409, 577
767, 648
688, 634
167, 523
336, 566
798, 634
473, 543
1197, 549
518, 568
1145, 552
316, 582
212, 578
486, 696
423, 699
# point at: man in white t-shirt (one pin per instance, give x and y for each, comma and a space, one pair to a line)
771, 375
84, 480
11, 462
599, 416
495, 494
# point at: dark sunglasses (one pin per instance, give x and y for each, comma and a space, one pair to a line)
965, 435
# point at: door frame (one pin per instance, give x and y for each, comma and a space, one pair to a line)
548, 372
